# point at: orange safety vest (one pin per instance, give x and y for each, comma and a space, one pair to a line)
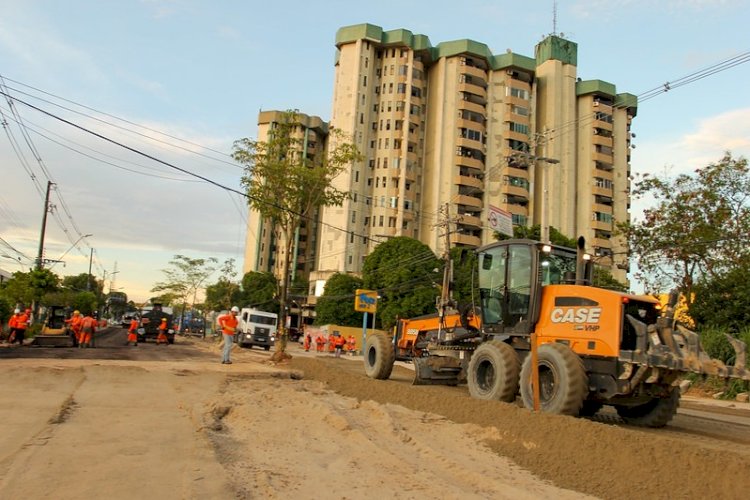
228, 324
88, 324
133, 325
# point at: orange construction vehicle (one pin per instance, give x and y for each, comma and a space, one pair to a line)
594, 346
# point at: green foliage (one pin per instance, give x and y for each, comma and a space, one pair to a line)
6, 310
603, 279
184, 278
25, 288
82, 283
336, 305
222, 295
465, 281
535, 233
723, 300
402, 270
697, 226
718, 347
260, 291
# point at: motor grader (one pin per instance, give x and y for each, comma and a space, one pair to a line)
594, 346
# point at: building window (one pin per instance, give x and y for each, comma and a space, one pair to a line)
519, 128
354, 216
356, 177
519, 110
520, 93
380, 221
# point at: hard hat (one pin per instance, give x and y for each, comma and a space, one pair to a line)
164, 319
76, 312
235, 309
17, 311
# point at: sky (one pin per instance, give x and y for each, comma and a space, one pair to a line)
181, 80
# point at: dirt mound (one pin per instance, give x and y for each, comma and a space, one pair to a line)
586, 456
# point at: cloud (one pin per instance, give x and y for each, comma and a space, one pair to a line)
162, 9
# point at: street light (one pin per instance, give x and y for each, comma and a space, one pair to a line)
69, 249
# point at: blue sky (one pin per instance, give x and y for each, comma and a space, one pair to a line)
202, 70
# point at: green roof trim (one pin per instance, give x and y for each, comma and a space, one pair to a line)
349, 34
510, 59
628, 101
559, 49
465, 46
595, 87
399, 37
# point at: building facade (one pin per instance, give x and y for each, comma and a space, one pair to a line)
453, 130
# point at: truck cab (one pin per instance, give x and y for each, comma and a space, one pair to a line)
256, 327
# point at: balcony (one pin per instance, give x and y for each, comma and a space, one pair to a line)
471, 106
476, 90
468, 201
465, 180
602, 141
469, 162
465, 239
474, 72
470, 220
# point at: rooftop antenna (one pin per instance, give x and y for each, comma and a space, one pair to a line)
554, 17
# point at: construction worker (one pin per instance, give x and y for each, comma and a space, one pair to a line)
351, 344
308, 341
88, 329
338, 343
133, 331
228, 324
320, 342
331, 344
75, 325
21, 324
162, 337
12, 325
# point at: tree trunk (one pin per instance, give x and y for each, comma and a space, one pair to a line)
282, 335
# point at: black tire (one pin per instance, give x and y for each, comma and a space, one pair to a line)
170, 341
563, 384
590, 408
493, 372
656, 413
379, 356
267, 347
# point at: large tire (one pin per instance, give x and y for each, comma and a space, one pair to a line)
493, 372
656, 413
379, 356
563, 384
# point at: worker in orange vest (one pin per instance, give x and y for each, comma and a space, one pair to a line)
162, 337
228, 324
75, 325
320, 341
338, 343
88, 329
351, 344
308, 341
13, 325
331, 344
21, 324
133, 332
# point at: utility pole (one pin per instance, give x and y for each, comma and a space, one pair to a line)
91, 259
40, 255
445, 293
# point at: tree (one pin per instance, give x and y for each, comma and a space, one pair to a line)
535, 233
407, 275
465, 282
260, 291
722, 301
336, 305
185, 277
30, 287
697, 227
286, 186
225, 292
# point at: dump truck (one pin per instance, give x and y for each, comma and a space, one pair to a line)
150, 321
594, 346
55, 332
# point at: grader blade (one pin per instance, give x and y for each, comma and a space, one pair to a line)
436, 370
658, 346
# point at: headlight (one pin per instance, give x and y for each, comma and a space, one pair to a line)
141, 331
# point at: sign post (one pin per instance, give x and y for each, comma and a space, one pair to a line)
365, 301
500, 220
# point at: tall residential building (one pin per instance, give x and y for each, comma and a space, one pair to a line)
455, 128
264, 245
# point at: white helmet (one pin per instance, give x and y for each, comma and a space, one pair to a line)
235, 309
17, 311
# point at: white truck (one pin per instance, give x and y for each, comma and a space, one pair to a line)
256, 328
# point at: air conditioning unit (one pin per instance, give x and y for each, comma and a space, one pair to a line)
596, 131
596, 104
509, 72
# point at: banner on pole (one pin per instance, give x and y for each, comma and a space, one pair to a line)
500, 221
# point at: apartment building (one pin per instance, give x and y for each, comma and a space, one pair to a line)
453, 130
264, 245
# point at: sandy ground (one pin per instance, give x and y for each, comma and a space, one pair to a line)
82, 428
